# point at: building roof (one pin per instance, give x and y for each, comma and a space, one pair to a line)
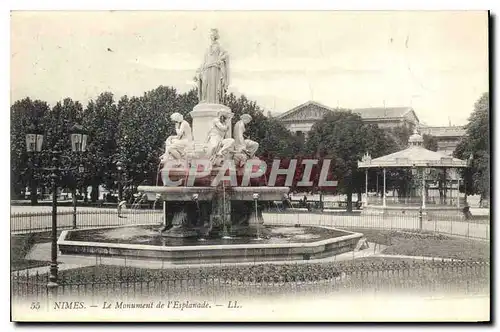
383, 112
372, 113
453, 131
414, 156
296, 108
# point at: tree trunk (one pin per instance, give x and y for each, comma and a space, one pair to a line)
85, 193
73, 194
349, 199
94, 194
33, 191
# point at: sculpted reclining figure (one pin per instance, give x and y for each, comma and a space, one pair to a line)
176, 145
217, 144
244, 148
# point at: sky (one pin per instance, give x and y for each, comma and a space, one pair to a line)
435, 62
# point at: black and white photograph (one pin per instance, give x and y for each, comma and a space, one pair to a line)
250, 166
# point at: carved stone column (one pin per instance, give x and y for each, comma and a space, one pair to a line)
203, 115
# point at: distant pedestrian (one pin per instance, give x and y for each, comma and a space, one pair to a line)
121, 205
466, 212
286, 201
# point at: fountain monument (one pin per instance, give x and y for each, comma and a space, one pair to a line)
213, 193
204, 165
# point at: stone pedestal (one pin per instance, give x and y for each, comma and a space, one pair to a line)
203, 115
247, 221
220, 215
200, 210
180, 218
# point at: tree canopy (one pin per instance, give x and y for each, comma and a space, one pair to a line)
476, 144
130, 130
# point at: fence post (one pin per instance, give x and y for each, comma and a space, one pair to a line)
74, 209
420, 219
52, 292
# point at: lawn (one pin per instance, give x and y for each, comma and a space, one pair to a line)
286, 272
323, 279
427, 244
20, 245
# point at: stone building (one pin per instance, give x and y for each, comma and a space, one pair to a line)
447, 137
389, 117
300, 119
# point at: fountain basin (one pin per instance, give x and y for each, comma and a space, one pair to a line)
206, 193
178, 193
144, 242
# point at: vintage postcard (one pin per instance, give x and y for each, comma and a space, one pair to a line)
250, 166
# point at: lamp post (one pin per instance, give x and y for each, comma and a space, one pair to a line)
78, 145
34, 142
81, 170
119, 168
256, 197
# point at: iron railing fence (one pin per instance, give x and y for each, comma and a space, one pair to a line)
438, 223
336, 204
30, 222
451, 223
240, 282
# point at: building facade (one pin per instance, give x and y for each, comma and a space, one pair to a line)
447, 137
300, 120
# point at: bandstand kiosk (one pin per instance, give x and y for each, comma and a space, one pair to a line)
421, 162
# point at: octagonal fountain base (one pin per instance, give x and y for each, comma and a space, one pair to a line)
145, 242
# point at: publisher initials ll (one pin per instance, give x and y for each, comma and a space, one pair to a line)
233, 305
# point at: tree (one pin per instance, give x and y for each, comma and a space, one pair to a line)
430, 142
273, 138
377, 143
143, 129
339, 137
101, 118
476, 143
132, 131
400, 136
25, 170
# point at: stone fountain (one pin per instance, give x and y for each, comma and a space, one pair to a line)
213, 193
204, 165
